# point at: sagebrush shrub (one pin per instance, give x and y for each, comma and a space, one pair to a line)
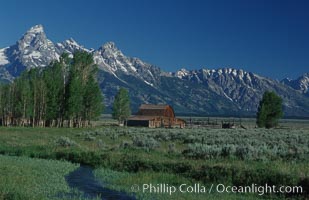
148, 143
65, 142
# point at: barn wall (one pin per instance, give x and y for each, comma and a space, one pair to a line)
156, 116
143, 123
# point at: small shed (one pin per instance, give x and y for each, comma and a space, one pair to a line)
153, 116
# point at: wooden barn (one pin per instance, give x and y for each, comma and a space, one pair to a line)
154, 116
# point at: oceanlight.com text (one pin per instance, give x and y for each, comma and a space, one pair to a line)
198, 188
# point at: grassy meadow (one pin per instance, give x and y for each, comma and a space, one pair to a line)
28, 178
37, 159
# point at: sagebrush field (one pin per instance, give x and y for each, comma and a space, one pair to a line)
123, 156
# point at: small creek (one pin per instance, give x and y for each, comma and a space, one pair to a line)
83, 179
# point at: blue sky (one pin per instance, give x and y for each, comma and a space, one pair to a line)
268, 37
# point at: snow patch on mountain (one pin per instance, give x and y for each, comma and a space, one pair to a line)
243, 88
109, 58
3, 58
70, 46
301, 84
148, 83
36, 29
229, 98
34, 49
204, 90
182, 73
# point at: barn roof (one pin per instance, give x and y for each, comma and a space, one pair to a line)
156, 110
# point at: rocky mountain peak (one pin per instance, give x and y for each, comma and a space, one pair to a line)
109, 45
34, 38
218, 91
33, 49
70, 46
300, 84
72, 42
111, 59
110, 50
36, 29
181, 73
304, 83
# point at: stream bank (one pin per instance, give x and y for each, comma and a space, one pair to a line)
83, 180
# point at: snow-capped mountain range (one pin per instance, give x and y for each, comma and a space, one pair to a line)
223, 91
301, 84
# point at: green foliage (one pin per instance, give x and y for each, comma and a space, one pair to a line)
202, 151
172, 148
93, 99
121, 106
89, 137
65, 142
123, 181
75, 97
55, 77
147, 143
269, 110
36, 179
125, 144
231, 156
67, 90
84, 96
